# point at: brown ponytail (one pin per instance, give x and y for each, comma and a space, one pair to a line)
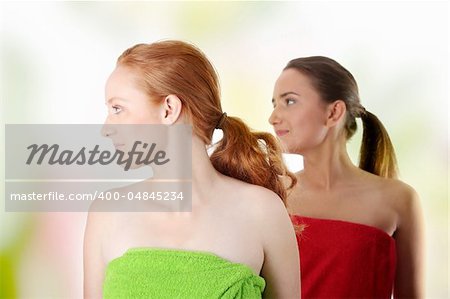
377, 153
252, 157
333, 82
179, 68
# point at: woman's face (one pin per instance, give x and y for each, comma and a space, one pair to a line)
299, 115
127, 103
128, 106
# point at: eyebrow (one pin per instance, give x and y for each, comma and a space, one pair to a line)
284, 94
288, 93
115, 98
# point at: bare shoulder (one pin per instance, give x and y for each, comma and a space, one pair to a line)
401, 192
258, 196
259, 203
399, 195
390, 189
97, 222
101, 218
407, 203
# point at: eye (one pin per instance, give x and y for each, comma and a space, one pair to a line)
289, 102
116, 109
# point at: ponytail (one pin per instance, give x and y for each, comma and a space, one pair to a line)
175, 67
332, 81
377, 153
252, 157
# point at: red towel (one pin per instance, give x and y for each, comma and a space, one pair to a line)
340, 259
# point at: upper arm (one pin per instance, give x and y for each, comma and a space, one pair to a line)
93, 263
409, 237
281, 267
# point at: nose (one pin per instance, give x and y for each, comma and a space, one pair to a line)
274, 118
108, 128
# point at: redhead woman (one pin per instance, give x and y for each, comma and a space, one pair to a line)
238, 241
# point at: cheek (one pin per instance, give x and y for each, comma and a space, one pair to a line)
312, 130
306, 133
308, 122
147, 116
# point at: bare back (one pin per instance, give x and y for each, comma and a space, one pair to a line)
236, 221
206, 229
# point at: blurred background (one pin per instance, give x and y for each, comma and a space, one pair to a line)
56, 57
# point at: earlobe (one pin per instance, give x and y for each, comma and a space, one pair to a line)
172, 109
337, 111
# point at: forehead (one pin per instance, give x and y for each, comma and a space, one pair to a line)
123, 80
293, 80
121, 76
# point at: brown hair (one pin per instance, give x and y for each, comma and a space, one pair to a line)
333, 82
179, 68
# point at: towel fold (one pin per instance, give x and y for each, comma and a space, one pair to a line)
163, 273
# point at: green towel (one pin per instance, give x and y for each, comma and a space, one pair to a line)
167, 273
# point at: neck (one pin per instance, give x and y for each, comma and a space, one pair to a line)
204, 175
328, 165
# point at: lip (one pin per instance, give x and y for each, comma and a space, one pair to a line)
281, 133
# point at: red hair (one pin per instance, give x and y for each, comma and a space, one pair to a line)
179, 68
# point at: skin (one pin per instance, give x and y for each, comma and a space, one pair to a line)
331, 187
251, 227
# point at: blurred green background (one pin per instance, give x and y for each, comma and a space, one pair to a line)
56, 56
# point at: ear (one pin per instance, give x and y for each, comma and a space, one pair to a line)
336, 112
171, 109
